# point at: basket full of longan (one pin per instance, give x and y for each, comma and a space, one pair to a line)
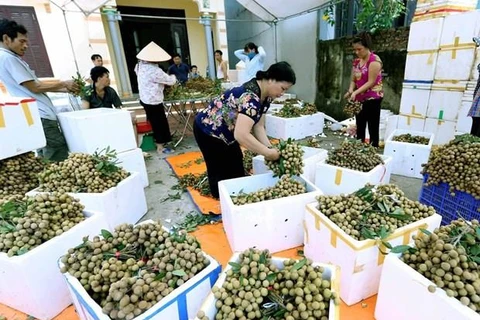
356, 231
252, 205
451, 179
99, 183
409, 150
138, 272
350, 166
257, 286
441, 267
34, 233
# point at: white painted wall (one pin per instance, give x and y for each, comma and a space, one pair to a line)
298, 45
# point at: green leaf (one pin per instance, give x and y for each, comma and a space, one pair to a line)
382, 207
400, 249
179, 273
383, 233
106, 234
475, 259
22, 251
263, 258
387, 244
99, 166
235, 266
241, 279
404, 217
272, 276
299, 264
160, 276
368, 234
425, 231
477, 231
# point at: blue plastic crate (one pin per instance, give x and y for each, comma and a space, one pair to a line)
462, 205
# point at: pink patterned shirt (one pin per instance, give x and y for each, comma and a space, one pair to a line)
360, 74
151, 82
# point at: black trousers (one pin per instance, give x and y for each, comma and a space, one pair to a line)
157, 118
475, 127
223, 161
370, 114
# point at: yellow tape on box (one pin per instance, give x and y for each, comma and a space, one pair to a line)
25, 108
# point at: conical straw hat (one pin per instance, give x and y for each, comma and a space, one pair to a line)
153, 53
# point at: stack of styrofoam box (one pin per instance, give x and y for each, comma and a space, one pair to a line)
21, 129
32, 283
311, 157
407, 158
275, 224
330, 273
430, 9
88, 131
181, 304
333, 180
453, 69
295, 128
360, 262
423, 48
125, 203
403, 294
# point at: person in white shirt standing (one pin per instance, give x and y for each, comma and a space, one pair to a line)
254, 59
151, 82
21, 81
222, 68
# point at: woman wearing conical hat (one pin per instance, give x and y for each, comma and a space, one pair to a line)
151, 82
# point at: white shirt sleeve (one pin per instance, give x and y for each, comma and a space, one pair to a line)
240, 54
162, 77
261, 53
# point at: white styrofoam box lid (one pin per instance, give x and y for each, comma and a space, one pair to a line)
460, 28
90, 113
398, 132
425, 35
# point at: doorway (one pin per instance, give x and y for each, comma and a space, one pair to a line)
137, 32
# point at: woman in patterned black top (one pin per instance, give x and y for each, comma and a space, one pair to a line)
230, 119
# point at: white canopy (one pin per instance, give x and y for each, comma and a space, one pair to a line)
86, 6
270, 10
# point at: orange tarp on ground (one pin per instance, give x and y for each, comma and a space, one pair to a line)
186, 163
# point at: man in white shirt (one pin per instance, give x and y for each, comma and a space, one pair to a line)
21, 81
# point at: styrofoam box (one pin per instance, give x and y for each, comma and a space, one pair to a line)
443, 130
454, 65
403, 294
92, 130
295, 128
333, 180
407, 158
275, 224
133, 161
425, 35
421, 66
21, 128
181, 304
470, 22
274, 108
392, 123
464, 122
331, 273
410, 123
415, 98
444, 104
310, 158
286, 96
125, 203
32, 283
360, 262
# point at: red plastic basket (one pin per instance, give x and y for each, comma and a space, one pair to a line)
144, 127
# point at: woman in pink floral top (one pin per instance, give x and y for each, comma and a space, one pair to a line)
230, 119
366, 86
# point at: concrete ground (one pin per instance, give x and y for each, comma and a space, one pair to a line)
172, 206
